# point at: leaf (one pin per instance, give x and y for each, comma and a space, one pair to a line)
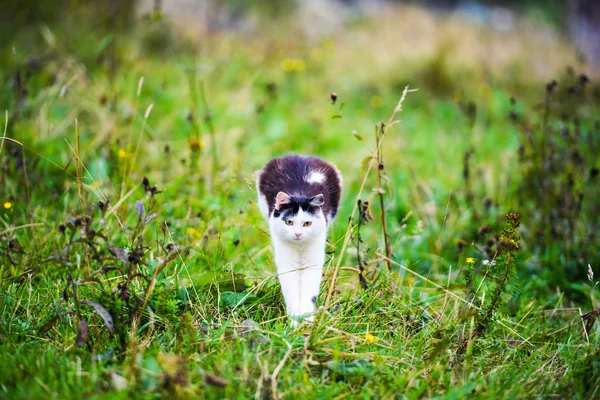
120, 253
234, 299
98, 169
213, 380
150, 373
82, 333
150, 217
48, 324
389, 187
360, 367
364, 164
590, 318
251, 330
118, 382
174, 367
439, 348
108, 320
139, 207
357, 136
336, 116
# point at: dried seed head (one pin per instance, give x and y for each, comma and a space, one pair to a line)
484, 229
271, 88
550, 86
62, 228
514, 219
487, 203
333, 96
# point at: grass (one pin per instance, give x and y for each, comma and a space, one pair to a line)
186, 275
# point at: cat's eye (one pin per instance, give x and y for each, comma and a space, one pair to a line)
289, 222
307, 223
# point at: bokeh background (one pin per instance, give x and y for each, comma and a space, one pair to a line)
131, 132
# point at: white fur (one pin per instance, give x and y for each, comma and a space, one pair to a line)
299, 259
263, 206
315, 177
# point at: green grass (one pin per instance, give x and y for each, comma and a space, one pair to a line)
209, 321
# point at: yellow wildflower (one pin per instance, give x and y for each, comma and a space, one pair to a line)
376, 101
194, 233
7, 205
371, 339
470, 260
124, 154
293, 65
196, 144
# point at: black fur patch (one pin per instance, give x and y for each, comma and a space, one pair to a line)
293, 207
287, 174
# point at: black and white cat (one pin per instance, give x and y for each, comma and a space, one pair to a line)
299, 196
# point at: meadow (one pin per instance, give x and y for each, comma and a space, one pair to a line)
464, 261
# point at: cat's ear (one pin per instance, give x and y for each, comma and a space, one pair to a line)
281, 199
317, 201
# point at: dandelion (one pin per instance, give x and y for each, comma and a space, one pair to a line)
7, 205
371, 339
470, 260
376, 101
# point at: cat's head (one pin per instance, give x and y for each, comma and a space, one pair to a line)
298, 219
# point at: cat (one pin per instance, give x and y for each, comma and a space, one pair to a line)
299, 196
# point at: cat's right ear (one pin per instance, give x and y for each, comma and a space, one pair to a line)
281, 199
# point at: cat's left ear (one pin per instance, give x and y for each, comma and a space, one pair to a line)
317, 201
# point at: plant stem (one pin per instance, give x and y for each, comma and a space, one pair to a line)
379, 132
211, 131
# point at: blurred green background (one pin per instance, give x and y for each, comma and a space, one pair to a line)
197, 95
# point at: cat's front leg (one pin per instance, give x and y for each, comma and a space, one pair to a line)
310, 279
300, 288
291, 283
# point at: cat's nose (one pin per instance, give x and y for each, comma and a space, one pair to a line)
298, 235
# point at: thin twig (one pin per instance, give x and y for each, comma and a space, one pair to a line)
379, 133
